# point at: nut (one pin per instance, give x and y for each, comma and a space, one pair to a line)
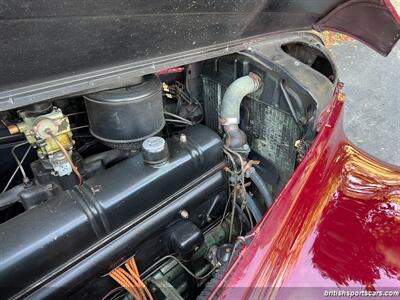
184, 214
13, 129
183, 138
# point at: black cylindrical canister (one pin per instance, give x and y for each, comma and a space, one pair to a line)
123, 117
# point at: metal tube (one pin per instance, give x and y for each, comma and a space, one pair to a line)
25, 178
16, 169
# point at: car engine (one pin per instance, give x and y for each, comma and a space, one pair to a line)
146, 191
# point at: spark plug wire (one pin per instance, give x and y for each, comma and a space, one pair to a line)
130, 280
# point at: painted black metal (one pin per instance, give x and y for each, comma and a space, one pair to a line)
55, 48
184, 237
124, 116
76, 226
43, 40
99, 259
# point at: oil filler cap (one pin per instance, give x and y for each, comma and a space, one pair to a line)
155, 150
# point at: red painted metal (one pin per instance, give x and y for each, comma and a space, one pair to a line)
393, 10
336, 225
375, 23
171, 70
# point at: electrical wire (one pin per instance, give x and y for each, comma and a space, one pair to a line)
79, 127
75, 113
177, 117
120, 295
16, 169
239, 177
226, 207
236, 174
112, 292
178, 91
250, 217
178, 121
233, 209
67, 156
291, 108
240, 159
130, 280
230, 191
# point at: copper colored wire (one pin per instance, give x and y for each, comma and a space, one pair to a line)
137, 283
141, 284
135, 279
127, 284
130, 280
133, 264
142, 287
113, 291
67, 156
122, 281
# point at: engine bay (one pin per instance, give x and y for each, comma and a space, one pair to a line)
148, 190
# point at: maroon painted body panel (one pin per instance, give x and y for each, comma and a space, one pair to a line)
335, 225
373, 22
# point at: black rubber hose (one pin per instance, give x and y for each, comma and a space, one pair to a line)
254, 209
262, 188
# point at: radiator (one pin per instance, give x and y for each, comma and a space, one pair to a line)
271, 132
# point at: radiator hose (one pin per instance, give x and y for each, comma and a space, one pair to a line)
235, 138
262, 187
255, 211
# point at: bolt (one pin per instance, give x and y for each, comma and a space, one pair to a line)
184, 213
183, 138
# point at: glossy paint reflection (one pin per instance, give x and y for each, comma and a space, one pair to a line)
335, 225
358, 236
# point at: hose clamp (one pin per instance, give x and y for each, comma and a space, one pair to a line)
229, 121
256, 79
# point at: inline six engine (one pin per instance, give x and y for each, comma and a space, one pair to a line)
146, 191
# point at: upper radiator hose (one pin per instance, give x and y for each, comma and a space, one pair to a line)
230, 109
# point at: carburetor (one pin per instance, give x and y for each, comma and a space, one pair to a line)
41, 130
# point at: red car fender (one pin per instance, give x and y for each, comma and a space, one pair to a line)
335, 226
